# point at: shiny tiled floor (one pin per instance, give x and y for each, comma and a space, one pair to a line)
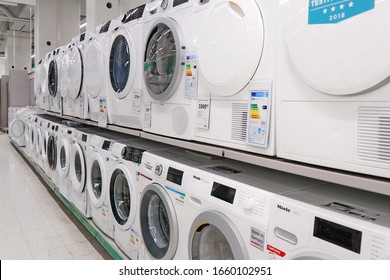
33, 222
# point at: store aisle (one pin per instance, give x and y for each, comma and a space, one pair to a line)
33, 222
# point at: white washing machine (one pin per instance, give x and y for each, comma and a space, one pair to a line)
236, 64
18, 127
333, 101
98, 165
162, 204
330, 222
52, 79
125, 71
52, 151
34, 137
42, 138
227, 209
77, 72
168, 96
124, 191
66, 138
38, 76
64, 81
30, 133
45, 105
97, 53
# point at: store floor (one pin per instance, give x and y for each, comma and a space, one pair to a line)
34, 224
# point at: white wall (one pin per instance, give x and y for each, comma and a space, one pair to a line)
18, 51
3, 62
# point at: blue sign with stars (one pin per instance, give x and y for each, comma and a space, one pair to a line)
334, 11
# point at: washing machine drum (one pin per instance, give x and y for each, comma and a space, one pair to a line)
335, 54
159, 224
53, 78
17, 129
120, 63
75, 72
162, 61
52, 152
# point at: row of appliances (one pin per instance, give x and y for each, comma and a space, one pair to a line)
162, 202
286, 78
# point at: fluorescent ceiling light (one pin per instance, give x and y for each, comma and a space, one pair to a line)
83, 25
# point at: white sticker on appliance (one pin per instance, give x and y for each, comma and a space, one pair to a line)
191, 85
257, 238
136, 104
203, 113
102, 122
147, 115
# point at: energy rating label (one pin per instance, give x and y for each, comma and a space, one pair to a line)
259, 113
334, 11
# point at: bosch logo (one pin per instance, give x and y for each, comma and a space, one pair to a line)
196, 177
284, 208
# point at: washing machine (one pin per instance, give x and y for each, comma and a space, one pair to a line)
125, 71
42, 138
169, 94
34, 137
45, 105
332, 87
98, 165
18, 127
227, 209
97, 54
30, 133
330, 222
52, 79
235, 59
162, 210
52, 154
77, 73
124, 191
38, 76
64, 81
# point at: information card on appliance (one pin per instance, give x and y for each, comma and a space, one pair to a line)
147, 115
191, 77
102, 122
259, 113
203, 111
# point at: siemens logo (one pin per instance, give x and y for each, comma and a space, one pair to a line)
284, 208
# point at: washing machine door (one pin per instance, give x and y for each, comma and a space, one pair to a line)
38, 146
52, 152
44, 143
159, 225
123, 197
78, 168
122, 66
97, 188
230, 45
75, 72
53, 78
63, 74
214, 237
163, 68
339, 50
64, 157
94, 68
17, 129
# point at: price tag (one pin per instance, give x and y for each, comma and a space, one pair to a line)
203, 113
136, 104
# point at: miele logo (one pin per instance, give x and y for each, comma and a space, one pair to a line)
284, 208
196, 177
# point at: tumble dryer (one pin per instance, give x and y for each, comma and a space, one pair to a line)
55, 99
162, 210
125, 70
235, 57
333, 101
98, 165
227, 209
124, 191
168, 92
97, 54
76, 73
329, 222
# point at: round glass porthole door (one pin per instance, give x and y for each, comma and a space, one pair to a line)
75, 72
162, 61
52, 152
53, 78
63, 158
214, 237
96, 180
77, 162
159, 224
122, 64
17, 129
94, 68
122, 197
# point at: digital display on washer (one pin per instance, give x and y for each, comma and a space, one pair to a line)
135, 13
337, 234
84, 137
82, 37
106, 145
223, 192
132, 154
105, 27
178, 2
175, 176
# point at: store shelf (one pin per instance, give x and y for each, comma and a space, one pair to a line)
107, 244
354, 180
